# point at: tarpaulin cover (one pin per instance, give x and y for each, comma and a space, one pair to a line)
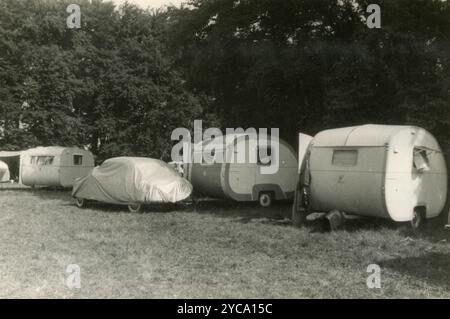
125, 180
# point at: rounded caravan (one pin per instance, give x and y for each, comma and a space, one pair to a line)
55, 166
244, 181
395, 172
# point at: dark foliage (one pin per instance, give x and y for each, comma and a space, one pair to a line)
122, 82
308, 65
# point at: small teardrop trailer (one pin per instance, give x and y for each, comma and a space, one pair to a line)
244, 182
55, 166
395, 172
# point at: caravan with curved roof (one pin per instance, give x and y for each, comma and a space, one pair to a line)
55, 165
388, 171
245, 181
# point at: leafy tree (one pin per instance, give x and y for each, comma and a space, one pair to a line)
127, 77
109, 86
307, 65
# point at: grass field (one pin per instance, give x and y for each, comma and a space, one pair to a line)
211, 250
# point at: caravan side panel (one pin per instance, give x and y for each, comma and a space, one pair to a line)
350, 179
283, 182
206, 179
75, 163
239, 181
44, 174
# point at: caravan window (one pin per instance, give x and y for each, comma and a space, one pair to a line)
421, 161
211, 154
264, 155
209, 151
42, 160
78, 160
345, 157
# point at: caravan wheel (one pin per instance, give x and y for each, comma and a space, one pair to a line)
265, 199
80, 202
134, 208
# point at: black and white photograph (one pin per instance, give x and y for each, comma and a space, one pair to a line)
240, 150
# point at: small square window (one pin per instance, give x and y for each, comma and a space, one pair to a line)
42, 160
78, 160
345, 157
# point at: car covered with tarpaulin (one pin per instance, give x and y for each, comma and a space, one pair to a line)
132, 181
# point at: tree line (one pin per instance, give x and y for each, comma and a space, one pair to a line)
123, 81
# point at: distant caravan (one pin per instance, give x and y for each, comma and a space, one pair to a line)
244, 182
395, 172
55, 166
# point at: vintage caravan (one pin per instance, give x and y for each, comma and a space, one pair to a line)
244, 180
395, 172
55, 166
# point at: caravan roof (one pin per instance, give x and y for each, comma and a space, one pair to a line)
10, 153
50, 150
228, 140
364, 135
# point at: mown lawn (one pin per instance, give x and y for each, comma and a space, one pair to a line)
213, 250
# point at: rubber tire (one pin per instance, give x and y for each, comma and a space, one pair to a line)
135, 208
298, 217
80, 202
418, 219
265, 199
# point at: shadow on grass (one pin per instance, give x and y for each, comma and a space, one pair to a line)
247, 211
320, 224
433, 229
118, 208
278, 214
42, 192
369, 223
433, 268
